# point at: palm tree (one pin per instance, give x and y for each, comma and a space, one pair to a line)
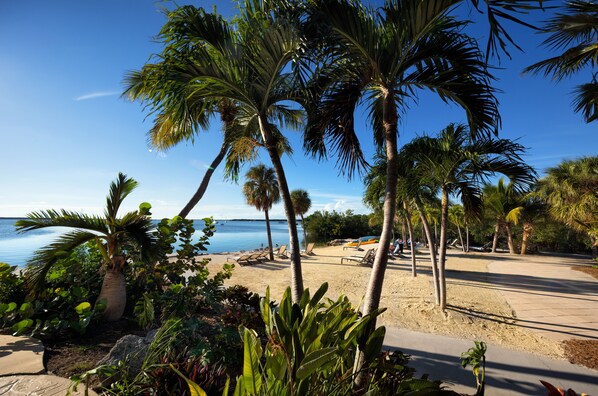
570, 190
248, 66
501, 202
457, 163
164, 88
301, 204
261, 190
575, 32
531, 211
456, 216
111, 234
381, 58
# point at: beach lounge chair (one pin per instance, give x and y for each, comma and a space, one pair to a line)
309, 250
264, 255
244, 259
356, 247
367, 259
282, 252
484, 248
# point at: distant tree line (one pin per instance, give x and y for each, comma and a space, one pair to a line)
325, 226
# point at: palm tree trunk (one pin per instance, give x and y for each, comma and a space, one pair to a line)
114, 291
467, 238
495, 240
442, 247
410, 230
269, 235
204, 182
528, 228
294, 248
428, 233
374, 290
510, 238
461, 238
595, 248
304, 231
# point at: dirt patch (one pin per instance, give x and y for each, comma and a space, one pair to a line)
588, 270
78, 355
582, 352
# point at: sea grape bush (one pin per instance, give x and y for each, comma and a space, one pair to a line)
324, 226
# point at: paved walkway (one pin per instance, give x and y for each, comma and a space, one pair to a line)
547, 296
508, 372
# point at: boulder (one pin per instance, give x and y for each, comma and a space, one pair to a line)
132, 349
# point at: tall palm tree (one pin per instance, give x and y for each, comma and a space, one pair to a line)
456, 216
249, 67
181, 114
110, 232
261, 190
381, 58
301, 204
575, 32
501, 203
571, 191
457, 164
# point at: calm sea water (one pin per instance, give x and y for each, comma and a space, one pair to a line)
230, 236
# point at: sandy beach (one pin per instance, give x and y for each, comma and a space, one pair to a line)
475, 310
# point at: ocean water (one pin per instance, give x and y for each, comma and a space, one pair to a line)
230, 236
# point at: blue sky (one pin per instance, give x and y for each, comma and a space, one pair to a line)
65, 132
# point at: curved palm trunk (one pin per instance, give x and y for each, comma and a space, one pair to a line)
204, 182
528, 229
410, 231
114, 290
495, 240
294, 248
428, 232
269, 235
461, 238
510, 238
442, 247
374, 290
304, 231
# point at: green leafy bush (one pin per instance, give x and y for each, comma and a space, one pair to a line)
324, 226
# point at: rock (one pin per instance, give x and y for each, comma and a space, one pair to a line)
130, 348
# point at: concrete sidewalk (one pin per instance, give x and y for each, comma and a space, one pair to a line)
508, 372
547, 296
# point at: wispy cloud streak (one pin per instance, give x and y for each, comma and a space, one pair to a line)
95, 95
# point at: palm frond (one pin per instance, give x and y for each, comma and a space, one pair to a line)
44, 258
61, 218
119, 190
586, 101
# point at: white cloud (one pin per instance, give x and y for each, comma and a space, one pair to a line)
95, 95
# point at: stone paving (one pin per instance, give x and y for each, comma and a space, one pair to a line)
549, 297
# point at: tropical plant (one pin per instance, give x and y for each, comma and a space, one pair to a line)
502, 203
248, 65
571, 191
301, 203
111, 233
261, 190
575, 32
532, 210
476, 358
324, 226
456, 216
381, 58
457, 164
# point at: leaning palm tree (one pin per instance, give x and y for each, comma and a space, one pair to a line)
301, 204
456, 216
458, 164
575, 32
110, 232
532, 210
501, 203
250, 68
261, 190
571, 191
381, 58
181, 114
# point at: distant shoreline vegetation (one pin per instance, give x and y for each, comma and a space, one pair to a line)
262, 220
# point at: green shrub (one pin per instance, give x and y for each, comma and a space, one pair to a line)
324, 226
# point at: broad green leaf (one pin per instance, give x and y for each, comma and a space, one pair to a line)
21, 326
314, 360
194, 389
11, 307
374, 343
83, 308
319, 294
252, 352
